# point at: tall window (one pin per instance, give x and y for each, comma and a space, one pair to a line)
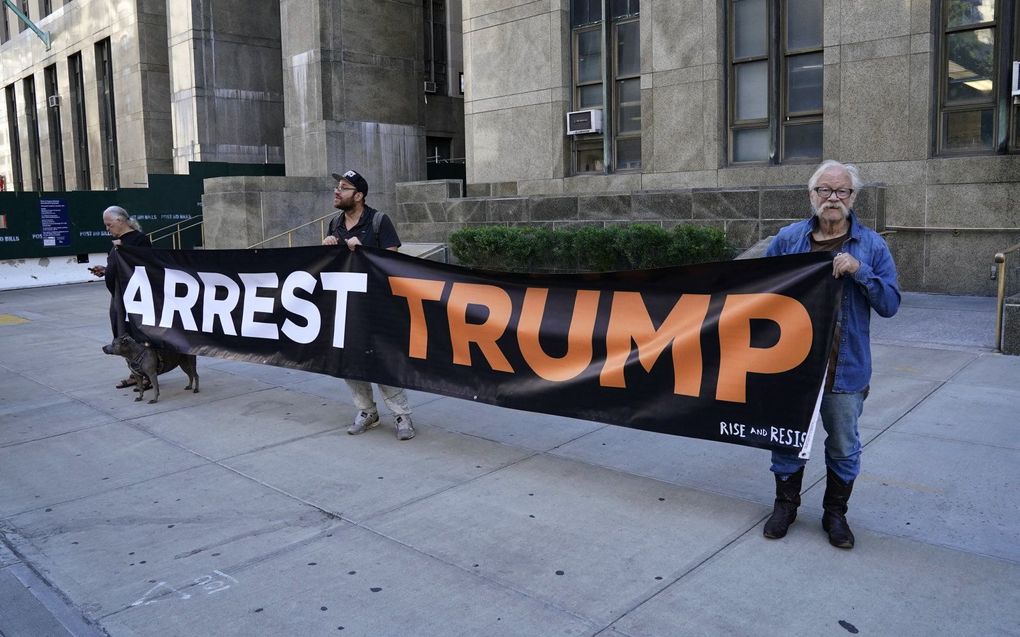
32, 117
83, 176
1014, 140
775, 80
53, 120
5, 25
15, 136
610, 83
588, 150
979, 40
107, 114
435, 46
47, 7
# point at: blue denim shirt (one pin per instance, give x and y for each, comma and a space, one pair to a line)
873, 286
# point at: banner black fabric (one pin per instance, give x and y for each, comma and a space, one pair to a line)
733, 351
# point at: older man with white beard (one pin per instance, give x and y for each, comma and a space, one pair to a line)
863, 262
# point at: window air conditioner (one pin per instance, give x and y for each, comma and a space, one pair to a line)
589, 121
1016, 78
430, 87
53, 101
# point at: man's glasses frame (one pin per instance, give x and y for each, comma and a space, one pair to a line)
825, 192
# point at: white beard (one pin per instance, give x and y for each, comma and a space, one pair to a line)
839, 205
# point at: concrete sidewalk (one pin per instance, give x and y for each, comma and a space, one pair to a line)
246, 510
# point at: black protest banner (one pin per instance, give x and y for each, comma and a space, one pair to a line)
733, 351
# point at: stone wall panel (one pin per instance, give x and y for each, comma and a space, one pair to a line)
553, 208
508, 210
662, 205
604, 207
725, 204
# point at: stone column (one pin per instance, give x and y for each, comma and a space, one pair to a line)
353, 91
227, 85
517, 73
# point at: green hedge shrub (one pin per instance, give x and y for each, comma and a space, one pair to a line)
586, 248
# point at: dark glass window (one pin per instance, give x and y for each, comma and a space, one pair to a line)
978, 41
627, 95
624, 8
438, 148
53, 121
32, 118
107, 115
5, 25
83, 176
775, 80
616, 76
434, 12
23, 6
14, 135
584, 12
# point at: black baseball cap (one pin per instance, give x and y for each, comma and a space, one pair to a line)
354, 179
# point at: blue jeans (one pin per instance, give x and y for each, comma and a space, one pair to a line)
842, 438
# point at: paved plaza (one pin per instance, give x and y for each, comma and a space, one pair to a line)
247, 510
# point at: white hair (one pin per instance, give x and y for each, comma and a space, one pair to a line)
855, 175
124, 216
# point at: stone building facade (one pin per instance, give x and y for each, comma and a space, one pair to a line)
137, 87
130, 89
93, 110
723, 101
712, 112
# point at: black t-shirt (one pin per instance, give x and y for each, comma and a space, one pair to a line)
131, 238
832, 245
363, 230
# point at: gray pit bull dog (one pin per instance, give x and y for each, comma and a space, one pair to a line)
147, 364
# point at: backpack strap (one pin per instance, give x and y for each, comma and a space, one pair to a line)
377, 220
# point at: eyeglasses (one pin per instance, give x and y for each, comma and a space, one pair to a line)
343, 188
825, 192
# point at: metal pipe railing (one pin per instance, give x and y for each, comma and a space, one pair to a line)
944, 229
441, 248
1000, 296
290, 233
197, 221
178, 228
1000, 266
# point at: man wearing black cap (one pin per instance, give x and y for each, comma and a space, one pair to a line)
358, 225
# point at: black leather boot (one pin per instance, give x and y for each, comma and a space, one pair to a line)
787, 501
834, 522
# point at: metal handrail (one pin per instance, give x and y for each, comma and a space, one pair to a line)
445, 160
441, 248
947, 229
193, 222
290, 233
1000, 297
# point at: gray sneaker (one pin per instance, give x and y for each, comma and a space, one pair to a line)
364, 421
404, 429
